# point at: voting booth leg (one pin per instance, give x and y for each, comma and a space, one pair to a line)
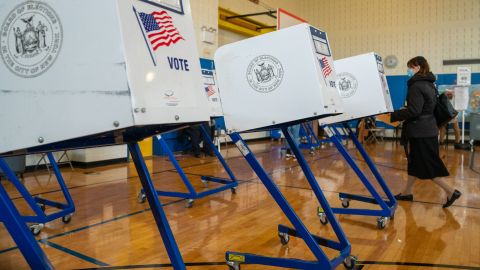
391, 202
38, 204
229, 171
235, 259
20, 233
156, 207
192, 194
387, 207
312, 140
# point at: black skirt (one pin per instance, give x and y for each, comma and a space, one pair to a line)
424, 158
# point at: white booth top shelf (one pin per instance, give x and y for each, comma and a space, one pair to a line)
277, 78
363, 86
71, 69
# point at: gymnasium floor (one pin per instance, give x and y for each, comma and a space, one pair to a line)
111, 229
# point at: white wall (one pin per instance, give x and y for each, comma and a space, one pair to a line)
437, 29
205, 13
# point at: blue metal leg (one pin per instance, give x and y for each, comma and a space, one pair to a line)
387, 209
307, 127
322, 261
15, 225
157, 210
20, 233
317, 190
66, 209
207, 138
371, 165
192, 195
177, 166
310, 128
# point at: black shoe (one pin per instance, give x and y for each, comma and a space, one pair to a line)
197, 155
456, 194
401, 197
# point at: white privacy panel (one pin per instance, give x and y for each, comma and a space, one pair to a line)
65, 75
363, 87
162, 62
276, 78
211, 88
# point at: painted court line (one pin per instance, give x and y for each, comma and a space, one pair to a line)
74, 253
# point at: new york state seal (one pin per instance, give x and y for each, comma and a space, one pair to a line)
30, 39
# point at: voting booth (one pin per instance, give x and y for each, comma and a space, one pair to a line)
210, 85
363, 87
88, 73
274, 81
64, 76
261, 78
362, 84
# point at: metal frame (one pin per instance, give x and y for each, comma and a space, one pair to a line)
314, 243
387, 206
156, 208
308, 130
268, 13
192, 194
15, 225
63, 155
37, 204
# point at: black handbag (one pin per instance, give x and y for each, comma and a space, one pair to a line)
444, 111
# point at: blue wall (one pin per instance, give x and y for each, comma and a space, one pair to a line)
398, 86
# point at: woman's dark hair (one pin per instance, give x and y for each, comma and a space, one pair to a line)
421, 62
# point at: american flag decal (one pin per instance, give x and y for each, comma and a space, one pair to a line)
160, 29
326, 69
210, 90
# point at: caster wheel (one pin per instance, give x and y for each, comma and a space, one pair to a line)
350, 262
42, 206
66, 219
284, 238
189, 203
233, 265
382, 223
141, 198
234, 190
345, 203
323, 218
36, 229
205, 183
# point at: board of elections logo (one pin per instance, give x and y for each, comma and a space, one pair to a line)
30, 39
265, 73
347, 84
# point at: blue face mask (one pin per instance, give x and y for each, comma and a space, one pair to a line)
410, 72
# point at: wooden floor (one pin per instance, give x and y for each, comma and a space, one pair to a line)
110, 228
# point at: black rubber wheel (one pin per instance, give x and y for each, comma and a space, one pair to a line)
234, 190
34, 231
324, 221
350, 262
66, 219
345, 204
381, 224
42, 206
236, 267
141, 197
189, 203
284, 239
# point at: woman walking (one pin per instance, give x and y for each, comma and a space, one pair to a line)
420, 131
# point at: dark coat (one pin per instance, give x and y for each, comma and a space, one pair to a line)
418, 115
